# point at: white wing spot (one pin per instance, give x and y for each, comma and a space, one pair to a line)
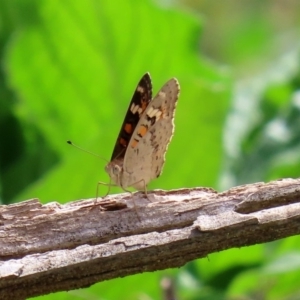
134, 108
140, 89
158, 114
162, 94
151, 113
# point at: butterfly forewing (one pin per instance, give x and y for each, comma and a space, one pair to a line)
138, 104
145, 155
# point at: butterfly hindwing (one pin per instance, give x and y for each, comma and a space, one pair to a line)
138, 104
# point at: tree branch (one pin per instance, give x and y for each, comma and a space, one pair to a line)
53, 247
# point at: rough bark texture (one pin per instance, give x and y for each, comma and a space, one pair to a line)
53, 247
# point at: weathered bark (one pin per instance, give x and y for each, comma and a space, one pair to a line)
53, 247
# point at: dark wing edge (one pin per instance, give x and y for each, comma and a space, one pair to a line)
139, 102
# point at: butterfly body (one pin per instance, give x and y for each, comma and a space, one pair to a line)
148, 127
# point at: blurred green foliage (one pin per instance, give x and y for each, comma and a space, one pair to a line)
72, 69
68, 71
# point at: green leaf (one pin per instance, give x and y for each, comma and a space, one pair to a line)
74, 71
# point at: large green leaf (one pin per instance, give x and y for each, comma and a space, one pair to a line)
74, 67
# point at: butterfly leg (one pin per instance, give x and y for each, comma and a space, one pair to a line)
105, 184
144, 188
134, 205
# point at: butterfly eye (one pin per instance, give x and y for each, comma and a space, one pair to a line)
116, 169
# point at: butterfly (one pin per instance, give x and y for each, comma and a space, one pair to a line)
148, 127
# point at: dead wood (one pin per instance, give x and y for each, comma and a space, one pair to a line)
54, 247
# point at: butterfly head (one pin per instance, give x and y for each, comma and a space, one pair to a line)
115, 170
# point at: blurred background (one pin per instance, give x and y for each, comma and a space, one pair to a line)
68, 71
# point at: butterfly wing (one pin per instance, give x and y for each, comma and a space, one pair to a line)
138, 104
145, 155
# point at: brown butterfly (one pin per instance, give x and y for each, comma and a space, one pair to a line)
148, 127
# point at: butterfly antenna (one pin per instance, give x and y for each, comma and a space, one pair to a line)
89, 152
